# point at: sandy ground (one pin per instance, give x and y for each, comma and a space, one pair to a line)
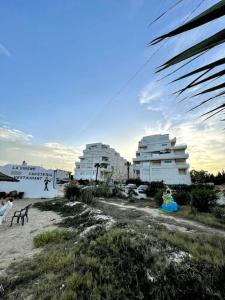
16, 241
171, 222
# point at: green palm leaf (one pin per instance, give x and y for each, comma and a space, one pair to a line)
205, 101
206, 67
215, 75
204, 45
212, 89
214, 12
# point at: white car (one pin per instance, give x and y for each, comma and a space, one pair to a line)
130, 187
143, 187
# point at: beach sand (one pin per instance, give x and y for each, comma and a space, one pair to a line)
16, 242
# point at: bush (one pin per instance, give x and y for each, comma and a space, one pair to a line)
158, 198
103, 191
203, 200
136, 181
2, 195
83, 181
20, 195
181, 187
71, 191
86, 196
181, 197
219, 213
118, 264
154, 187
13, 194
51, 236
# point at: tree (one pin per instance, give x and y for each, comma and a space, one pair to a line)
97, 166
128, 164
199, 176
198, 49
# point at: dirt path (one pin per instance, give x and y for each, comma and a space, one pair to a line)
171, 222
16, 242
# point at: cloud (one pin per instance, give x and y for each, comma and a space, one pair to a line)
4, 51
17, 146
14, 135
205, 140
150, 93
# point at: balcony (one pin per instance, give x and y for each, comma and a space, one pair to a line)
161, 156
180, 147
182, 165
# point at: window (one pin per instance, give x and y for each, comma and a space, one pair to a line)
182, 171
167, 161
104, 158
164, 145
156, 162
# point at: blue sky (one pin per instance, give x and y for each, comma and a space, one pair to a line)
61, 62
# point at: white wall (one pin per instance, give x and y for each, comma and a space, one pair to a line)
31, 181
30, 189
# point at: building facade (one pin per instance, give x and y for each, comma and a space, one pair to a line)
159, 158
34, 181
113, 165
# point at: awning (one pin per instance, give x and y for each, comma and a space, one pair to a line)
4, 177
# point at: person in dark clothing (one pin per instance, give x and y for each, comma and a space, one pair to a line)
46, 181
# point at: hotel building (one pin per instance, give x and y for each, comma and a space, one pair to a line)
159, 158
114, 164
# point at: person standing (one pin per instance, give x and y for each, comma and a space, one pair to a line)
46, 181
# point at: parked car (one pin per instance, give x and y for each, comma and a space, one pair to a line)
139, 194
130, 187
142, 187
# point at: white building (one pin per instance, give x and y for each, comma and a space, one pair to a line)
100, 153
34, 181
159, 158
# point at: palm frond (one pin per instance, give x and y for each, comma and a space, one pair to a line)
212, 89
204, 45
206, 67
214, 12
205, 101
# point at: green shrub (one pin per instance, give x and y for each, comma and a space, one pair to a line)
219, 213
103, 191
154, 187
158, 198
51, 236
71, 191
181, 197
136, 181
13, 194
86, 196
181, 187
203, 200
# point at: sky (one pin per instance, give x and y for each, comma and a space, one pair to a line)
74, 72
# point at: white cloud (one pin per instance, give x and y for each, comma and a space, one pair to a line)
17, 146
4, 51
205, 140
150, 93
14, 135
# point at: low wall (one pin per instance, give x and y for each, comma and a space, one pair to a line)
30, 189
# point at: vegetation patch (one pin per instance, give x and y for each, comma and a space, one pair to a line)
122, 263
202, 248
55, 236
209, 219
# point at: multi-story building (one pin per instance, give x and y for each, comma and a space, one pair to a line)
159, 158
113, 165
